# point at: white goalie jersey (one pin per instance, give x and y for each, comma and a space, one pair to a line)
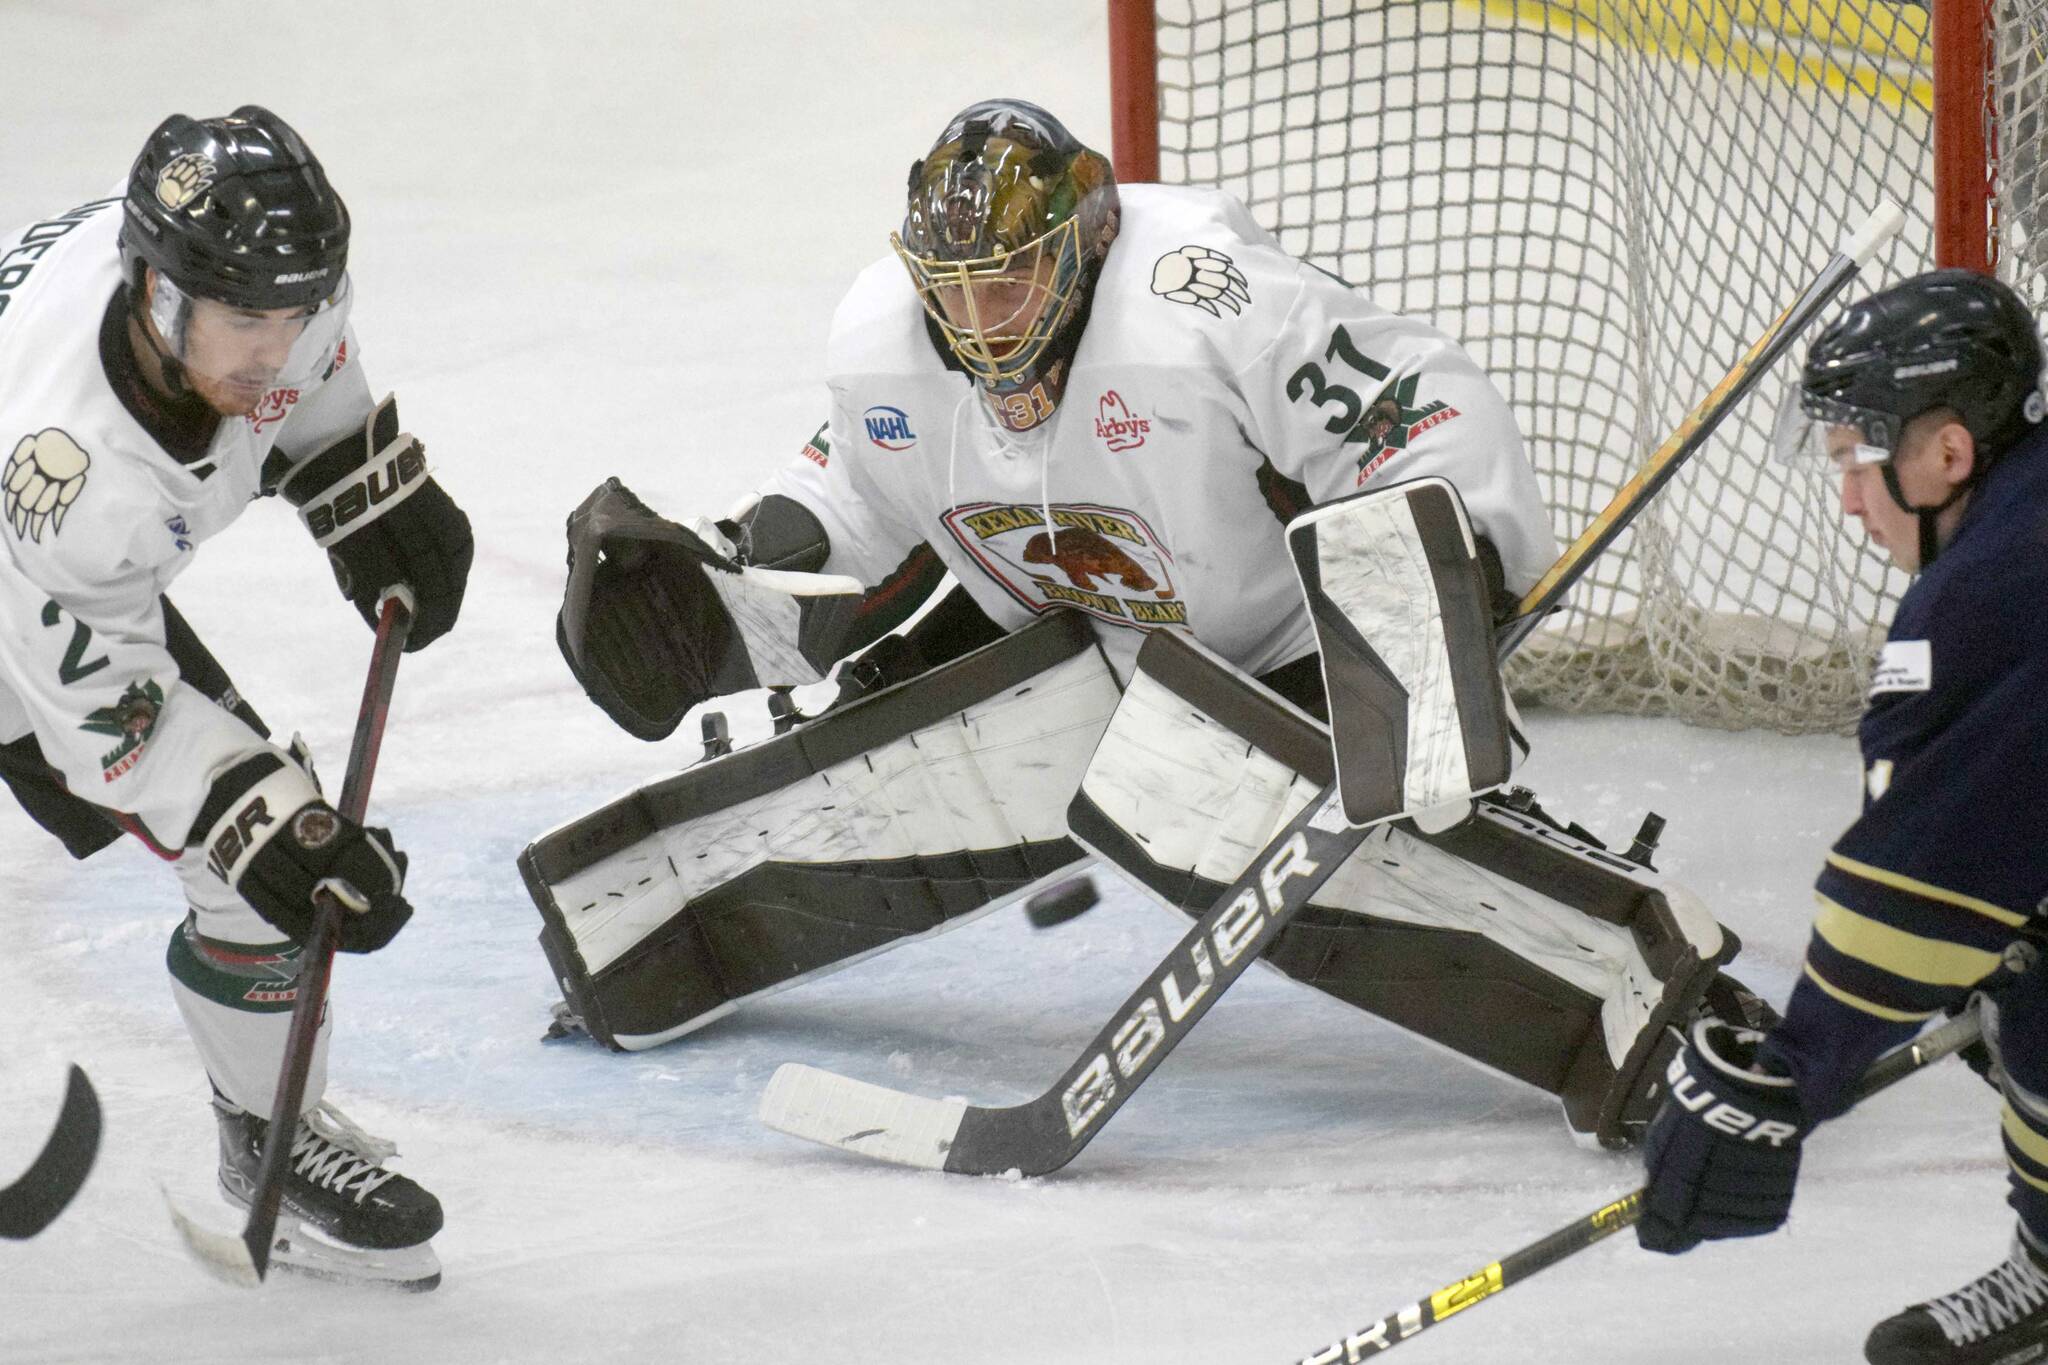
1219, 388
99, 518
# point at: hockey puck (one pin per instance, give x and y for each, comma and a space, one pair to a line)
1058, 904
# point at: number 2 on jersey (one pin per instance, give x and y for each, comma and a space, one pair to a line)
75, 665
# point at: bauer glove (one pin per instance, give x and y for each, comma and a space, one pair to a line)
1723, 1153
267, 833
370, 503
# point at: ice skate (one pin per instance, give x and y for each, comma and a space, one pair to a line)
1999, 1318
342, 1215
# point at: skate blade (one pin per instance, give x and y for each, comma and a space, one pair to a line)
304, 1250
300, 1250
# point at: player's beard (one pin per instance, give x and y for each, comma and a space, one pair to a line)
239, 395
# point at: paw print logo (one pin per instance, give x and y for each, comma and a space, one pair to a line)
180, 184
44, 477
1202, 279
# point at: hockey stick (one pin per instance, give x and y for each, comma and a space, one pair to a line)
1574, 1237
1045, 1133
31, 1203
244, 1260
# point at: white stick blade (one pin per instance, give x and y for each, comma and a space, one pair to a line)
221, 1254
854, 1116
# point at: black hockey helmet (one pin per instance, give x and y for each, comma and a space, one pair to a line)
1007, 194
235, 209
1948, 338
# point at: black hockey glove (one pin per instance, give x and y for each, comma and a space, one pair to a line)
370, 503
1723, 1152
269, 835
659, 617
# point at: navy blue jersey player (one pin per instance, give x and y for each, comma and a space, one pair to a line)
1927, 398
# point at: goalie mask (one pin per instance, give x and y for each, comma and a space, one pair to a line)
1008, 223
235, 250
1949, 339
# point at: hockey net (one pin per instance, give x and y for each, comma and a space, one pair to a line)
1606, 201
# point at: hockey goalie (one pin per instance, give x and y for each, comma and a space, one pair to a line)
1098, 409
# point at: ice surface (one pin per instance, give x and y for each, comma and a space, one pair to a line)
607, 239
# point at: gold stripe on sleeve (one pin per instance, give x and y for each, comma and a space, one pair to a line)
1930, 961
1926, 889
2033, 1144
1871, 1007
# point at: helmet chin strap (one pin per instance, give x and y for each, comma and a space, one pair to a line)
1930, 545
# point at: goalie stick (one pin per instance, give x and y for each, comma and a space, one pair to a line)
1603, 1222
245, 1259
1045, 1133
33, 1202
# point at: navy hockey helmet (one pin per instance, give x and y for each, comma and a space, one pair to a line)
235, 209
1008, 222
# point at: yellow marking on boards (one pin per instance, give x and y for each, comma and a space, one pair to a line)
1877, 50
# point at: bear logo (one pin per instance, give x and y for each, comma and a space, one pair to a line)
1201, 278
1081, 555
44, 476
180, 184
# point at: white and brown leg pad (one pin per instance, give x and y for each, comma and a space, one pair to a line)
1530, 952
905, 813
235, 982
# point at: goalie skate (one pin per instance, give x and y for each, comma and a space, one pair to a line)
342, 1215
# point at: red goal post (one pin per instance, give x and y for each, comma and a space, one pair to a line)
1602, 199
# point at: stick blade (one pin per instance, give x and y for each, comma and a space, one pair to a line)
54, 1178
222, 1255
855, 1116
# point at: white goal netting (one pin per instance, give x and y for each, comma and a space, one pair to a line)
1606, 200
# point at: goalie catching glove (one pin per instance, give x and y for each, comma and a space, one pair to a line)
370, 503
268, 834
659, 617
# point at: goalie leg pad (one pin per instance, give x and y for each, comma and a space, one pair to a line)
1532, 953
901, 814
1396, 592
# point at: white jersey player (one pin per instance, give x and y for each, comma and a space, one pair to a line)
1114, 402
168, 354
1100, 406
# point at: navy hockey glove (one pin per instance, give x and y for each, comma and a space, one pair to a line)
268, 834
1723, 1152
370, 503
